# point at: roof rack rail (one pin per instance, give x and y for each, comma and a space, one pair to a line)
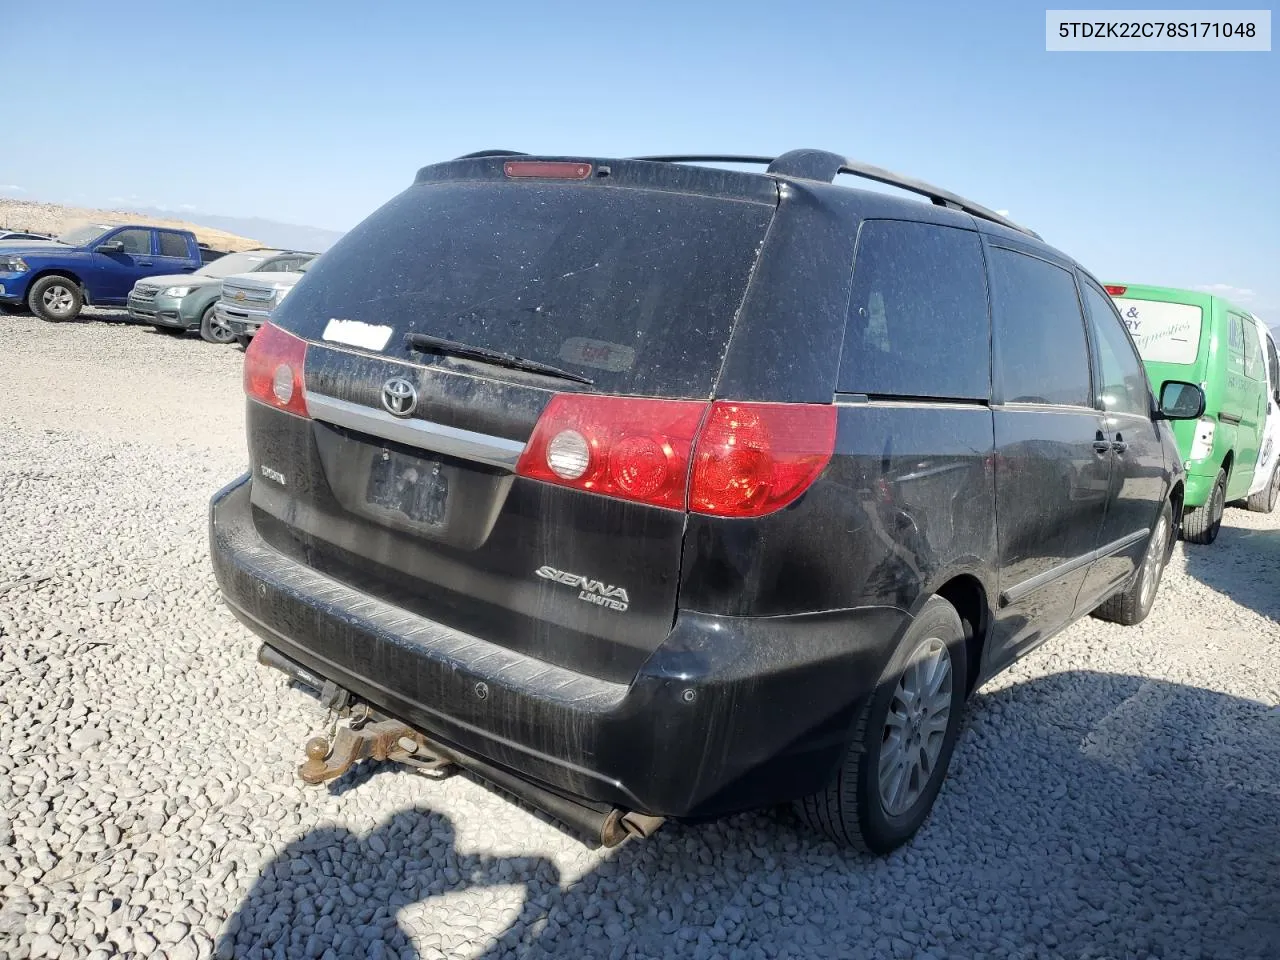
825, 167
708, 158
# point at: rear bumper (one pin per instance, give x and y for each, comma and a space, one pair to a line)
727, 714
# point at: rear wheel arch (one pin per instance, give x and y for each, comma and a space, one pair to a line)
967, 594
853, 808
1177, 500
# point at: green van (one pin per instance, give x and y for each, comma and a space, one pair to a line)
1186, 335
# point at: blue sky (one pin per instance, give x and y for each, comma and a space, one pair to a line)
1147, 167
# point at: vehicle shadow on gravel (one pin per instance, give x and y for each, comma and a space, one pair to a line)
1241, 564
333, 893
1088, 815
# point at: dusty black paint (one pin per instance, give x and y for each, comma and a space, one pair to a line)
743, 739
748, 646
490, 587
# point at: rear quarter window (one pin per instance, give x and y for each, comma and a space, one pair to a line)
918, 323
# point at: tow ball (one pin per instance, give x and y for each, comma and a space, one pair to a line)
329, 757
369, 735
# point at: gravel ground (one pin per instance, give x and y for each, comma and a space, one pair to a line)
1117, 794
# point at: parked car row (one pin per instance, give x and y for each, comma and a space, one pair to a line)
163, 276
211, 298
645, 489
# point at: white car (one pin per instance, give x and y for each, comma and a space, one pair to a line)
1266, 478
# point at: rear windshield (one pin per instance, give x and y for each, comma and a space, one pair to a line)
1163, 332
635, 289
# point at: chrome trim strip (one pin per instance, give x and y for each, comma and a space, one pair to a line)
423, 434
1027, 587
1115, 546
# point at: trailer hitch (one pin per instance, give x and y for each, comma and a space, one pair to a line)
368, 735
332, 756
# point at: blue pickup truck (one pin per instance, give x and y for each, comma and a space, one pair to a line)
96, 264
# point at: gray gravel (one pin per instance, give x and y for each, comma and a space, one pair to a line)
1117, 794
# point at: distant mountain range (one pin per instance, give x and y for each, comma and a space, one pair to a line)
273, 233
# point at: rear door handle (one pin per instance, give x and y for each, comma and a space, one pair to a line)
1119, 445
1102, 446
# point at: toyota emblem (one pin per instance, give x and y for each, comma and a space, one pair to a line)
399, 396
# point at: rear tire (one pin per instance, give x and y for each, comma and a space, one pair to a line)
1132, 604
1264, 501
55, 299
902, 743
1201, 525
213, 330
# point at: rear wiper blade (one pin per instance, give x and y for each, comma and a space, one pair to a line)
426, 343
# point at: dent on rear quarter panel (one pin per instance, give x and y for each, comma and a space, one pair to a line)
907, 501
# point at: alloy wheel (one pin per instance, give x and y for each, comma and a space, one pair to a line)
1152, 562
916, 727
58, 299
220, 330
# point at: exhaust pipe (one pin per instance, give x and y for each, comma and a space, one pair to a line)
602, 824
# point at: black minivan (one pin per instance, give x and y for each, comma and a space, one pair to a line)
646, 488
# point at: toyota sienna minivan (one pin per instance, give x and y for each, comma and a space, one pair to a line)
648, 489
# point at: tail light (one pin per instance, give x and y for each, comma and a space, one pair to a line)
755, 458
619, 446
723, 459
274, 367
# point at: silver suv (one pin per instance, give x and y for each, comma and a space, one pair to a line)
248, 299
